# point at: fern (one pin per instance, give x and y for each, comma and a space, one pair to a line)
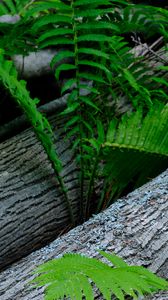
16, 39
134, 149
69, 32
112, 153
13, 6
137, 18
60, 25
89, 36
41, 126
72, 275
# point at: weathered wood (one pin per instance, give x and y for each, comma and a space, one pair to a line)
35, 64
32, 209
135, 227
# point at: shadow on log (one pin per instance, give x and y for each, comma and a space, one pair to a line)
135, 228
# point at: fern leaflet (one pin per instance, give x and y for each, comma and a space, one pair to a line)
71, 276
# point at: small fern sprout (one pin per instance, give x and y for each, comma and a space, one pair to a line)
75, 276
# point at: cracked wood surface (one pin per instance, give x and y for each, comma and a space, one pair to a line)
32, 209
135, 227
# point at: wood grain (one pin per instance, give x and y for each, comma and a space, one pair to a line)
135, 227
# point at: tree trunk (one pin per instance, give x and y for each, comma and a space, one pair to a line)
32, 207
135, 227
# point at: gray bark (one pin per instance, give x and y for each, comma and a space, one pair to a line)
35, 64
135, 228
9, 19
32, 207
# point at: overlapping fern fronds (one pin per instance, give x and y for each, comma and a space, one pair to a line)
14, 31
137, 18
13, 6
89, 34
67, 30
71, 276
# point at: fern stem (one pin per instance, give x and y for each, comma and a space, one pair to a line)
91, 186
81, 215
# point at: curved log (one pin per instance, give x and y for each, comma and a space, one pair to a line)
32, 207
18, 124
135, 227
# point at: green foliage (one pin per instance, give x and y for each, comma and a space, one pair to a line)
41, 126
118, 152
139, 18
112, 152
13, 6
73, 276
139, 146
16, 39
96, 52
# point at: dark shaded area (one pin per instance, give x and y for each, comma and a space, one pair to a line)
158, 3
8, 107
45, 88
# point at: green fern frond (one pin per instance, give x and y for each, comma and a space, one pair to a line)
41, 126
55, 32
87, 13
92, 51
41, 6
88, 34
61, 56
7, 7
149, 135
136, 18
51, 19
98, 25
8, 76
95, 77
71, 276
67, 19
80, 3
135, 149
13, 6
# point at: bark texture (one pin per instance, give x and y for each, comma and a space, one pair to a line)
135, 227
32, 209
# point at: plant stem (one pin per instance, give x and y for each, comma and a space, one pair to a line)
91, 186
80, 112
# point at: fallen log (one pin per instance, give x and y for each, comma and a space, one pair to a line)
135, 228
20, 123
32, 209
